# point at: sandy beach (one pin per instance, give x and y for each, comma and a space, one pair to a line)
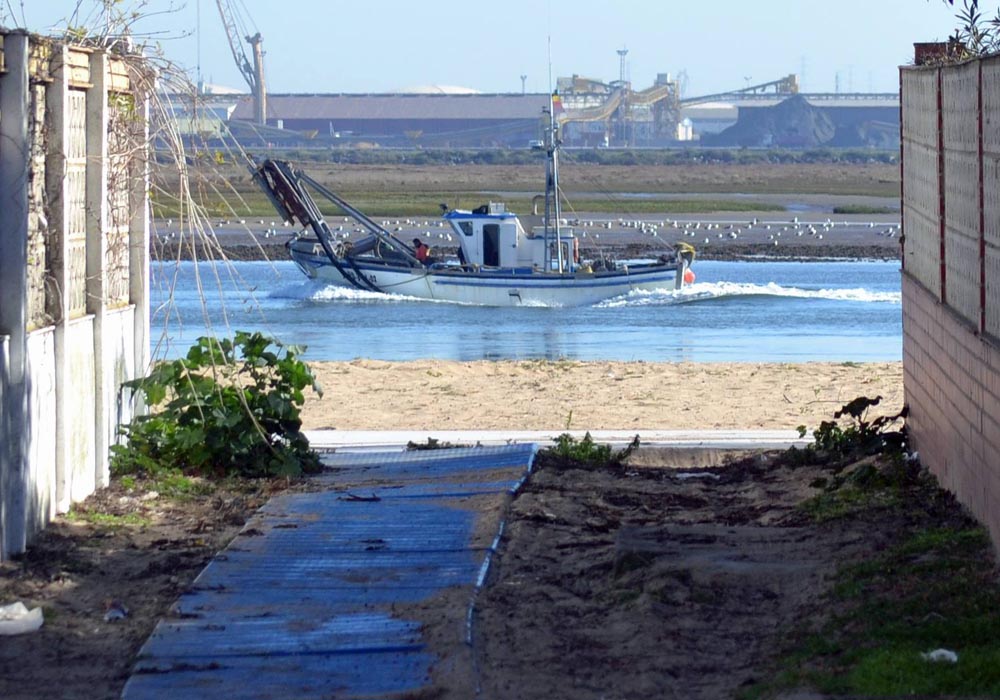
563, 394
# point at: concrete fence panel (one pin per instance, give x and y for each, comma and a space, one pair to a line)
951, 360
921, 177
73, 238
17, 103
920, 101
4, 449
921, 215
991, 275
991, 195
41, 487
960, 131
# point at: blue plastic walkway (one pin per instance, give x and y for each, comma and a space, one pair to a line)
300, 604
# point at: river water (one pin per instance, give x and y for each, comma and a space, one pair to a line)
735, 311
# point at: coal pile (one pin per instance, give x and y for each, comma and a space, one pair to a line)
794, 123
871, 134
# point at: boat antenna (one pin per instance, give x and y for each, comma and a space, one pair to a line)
552, 213
554, 157
549, 47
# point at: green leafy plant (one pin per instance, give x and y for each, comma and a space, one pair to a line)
976, 35
568, 452
868, 465
229, 407
861, 435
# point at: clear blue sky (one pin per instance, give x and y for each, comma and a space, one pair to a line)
383, 45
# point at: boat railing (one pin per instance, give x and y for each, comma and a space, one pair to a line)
564, 232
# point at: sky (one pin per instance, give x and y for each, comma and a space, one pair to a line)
388, 45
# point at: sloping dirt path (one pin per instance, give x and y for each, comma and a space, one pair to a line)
653, 581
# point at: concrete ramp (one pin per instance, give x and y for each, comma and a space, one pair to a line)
301, 604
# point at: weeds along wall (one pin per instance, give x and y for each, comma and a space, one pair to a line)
74, 270
951, 276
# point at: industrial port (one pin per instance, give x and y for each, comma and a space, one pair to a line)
592, 112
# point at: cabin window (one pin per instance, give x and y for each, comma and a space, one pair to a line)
554, 255
466, 227
491, 245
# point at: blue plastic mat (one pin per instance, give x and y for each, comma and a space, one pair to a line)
300, 604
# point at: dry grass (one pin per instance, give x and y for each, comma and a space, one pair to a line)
401, 189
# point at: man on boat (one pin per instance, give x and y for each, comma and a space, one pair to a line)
422, 250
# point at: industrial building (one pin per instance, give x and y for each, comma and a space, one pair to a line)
414, 119
592, 113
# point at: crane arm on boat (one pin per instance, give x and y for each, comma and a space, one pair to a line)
279, 182
283, 185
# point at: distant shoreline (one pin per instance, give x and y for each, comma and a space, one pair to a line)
788, 235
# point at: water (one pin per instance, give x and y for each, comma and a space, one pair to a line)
735, 311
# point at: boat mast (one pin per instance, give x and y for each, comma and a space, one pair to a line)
552, 209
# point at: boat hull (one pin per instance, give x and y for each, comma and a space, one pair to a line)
492, 287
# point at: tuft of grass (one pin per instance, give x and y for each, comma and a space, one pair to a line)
433, 444
838, 503
564, 365
177, 485
864, 209
109, 520
934, 589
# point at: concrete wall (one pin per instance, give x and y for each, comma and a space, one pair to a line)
951, 276
74, 271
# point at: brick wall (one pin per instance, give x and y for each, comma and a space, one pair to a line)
952, 379
951, 279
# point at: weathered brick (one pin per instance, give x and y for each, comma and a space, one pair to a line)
947, 372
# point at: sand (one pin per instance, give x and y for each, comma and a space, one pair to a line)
564, 394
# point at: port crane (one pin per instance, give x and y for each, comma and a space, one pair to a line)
253, 72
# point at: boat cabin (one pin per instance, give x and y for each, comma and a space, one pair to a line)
490, 236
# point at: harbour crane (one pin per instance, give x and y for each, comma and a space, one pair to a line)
253, 72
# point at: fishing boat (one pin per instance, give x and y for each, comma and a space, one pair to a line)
499, 262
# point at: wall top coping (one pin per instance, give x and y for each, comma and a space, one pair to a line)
43, 50
950, 63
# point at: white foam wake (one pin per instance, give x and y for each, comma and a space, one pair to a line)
707, 291
312, 291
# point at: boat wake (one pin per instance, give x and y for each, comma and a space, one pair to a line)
714, 291
310, 291
694, 293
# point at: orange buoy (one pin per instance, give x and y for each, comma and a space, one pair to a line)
688, 276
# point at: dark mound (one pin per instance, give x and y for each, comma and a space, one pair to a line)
793, 123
